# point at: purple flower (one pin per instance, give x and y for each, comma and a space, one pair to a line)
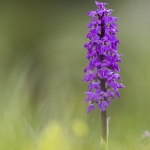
102, 71
90, 107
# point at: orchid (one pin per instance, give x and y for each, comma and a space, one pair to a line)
102, 71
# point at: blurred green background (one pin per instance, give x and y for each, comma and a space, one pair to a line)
41, 71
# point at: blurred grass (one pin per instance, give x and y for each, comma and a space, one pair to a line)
41, 72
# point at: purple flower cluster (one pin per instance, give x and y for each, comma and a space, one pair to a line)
101, 72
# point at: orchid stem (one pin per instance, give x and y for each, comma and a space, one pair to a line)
104, 125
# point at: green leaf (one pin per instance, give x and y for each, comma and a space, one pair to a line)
103, 144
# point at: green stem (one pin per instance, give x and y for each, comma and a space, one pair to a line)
104, 125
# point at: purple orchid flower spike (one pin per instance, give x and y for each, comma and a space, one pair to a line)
102, 71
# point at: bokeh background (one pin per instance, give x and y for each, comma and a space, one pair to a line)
41, 76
